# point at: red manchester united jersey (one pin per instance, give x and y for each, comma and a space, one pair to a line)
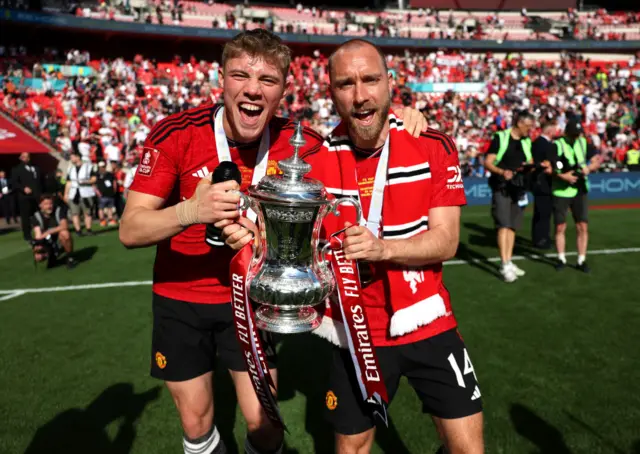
422, 175
446, 190
178, 153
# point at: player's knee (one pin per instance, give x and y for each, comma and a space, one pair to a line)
64, 235
581, 227
465, 436
196, 424
354, 444
468, 448
561, 228
196, 416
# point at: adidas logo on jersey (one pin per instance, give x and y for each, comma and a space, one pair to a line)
201, 173
476, 393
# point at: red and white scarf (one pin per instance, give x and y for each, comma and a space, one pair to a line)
415, 300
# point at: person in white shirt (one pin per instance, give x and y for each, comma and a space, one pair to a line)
84, 149
112, 152
79, 192
128, 179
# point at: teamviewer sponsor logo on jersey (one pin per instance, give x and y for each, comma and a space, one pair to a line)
148, 161
455, 182
201, 173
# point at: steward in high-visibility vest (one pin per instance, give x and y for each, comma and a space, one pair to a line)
571, 157
504, 137
509, 152
570, 187
633, 159
504, 140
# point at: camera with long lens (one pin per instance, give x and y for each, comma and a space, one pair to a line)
581, 184
45, 249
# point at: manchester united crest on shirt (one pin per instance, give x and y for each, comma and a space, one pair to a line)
147, 161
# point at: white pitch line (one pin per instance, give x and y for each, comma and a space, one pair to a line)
538, 256
13, 293
10, 295
78, 287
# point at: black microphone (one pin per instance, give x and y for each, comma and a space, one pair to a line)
225, 171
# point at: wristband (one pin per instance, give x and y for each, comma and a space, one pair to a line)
187, 213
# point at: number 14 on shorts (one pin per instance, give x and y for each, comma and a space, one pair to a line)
468, 369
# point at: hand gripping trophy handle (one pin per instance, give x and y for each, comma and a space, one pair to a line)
334, 207
246, 203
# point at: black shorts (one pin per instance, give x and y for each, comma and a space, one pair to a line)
187, 337
579, 206
446, 390
506, 212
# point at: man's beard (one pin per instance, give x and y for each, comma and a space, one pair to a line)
371, 132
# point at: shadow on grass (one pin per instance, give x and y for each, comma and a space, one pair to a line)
477, 260
81, 255
528, 425
610, 444
80, 431
486, 237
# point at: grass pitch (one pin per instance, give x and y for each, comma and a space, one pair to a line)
556, 354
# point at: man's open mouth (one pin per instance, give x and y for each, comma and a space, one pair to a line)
250, 111
365, 117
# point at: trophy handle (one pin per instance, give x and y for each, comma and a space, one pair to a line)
334, 207
246, 202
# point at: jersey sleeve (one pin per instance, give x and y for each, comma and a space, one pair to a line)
446, 175
158, 170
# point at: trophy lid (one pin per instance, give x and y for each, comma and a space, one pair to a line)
291, 186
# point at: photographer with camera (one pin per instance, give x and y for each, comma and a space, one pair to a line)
50, 231
509, 160
575, 160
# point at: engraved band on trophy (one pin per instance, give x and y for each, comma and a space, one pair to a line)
288, 274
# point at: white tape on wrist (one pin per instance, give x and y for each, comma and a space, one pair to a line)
187, 213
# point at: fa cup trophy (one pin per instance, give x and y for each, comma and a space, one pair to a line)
288, 274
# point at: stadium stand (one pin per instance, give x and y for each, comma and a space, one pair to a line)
118, 103
421, 24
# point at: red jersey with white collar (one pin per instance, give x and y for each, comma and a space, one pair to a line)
178, 153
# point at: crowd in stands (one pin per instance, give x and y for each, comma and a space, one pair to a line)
107, 115
420, 23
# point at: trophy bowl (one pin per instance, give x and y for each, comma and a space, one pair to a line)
288, 274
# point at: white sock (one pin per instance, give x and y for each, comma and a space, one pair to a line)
206, 444
562, 258
581, 259
505, 264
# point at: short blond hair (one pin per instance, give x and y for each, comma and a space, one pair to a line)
259, 43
